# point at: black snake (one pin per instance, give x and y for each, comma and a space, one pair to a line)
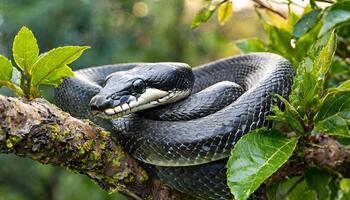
182, 122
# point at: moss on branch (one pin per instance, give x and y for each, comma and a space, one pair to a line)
42, 132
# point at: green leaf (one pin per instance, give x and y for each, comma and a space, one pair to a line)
203, 15
5, 69
344, 185
279, 41
255, 157
306, 23
338, 73
250, 45
333, 117
345, 85
55, 78
25, 49
48, 64
280, 190
319, 181
344, 189
308, 188
335, 16
289, 116
224, 12
301, 190
310, 78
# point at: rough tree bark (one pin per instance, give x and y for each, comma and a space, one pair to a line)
42, 132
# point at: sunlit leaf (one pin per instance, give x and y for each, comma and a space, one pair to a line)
55, 78
345, 85
254, 158
202, 16
224, 12
25, 49
6, 69
48, 63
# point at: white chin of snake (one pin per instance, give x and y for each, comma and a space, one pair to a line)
150, 98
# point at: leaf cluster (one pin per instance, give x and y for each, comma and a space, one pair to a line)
34, 70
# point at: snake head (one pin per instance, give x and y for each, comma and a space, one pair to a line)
141, 88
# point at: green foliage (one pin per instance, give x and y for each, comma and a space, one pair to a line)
48, 68
335, 16
25, 50
250, 45
224, 12
344, 192
6, 69
306, 23
255, 157
333, 117
289, 116
314, 106
312, 185
291, 189
309, 81
319, 181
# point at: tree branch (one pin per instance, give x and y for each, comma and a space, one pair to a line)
42, 132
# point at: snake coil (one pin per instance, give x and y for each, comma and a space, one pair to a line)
189, 151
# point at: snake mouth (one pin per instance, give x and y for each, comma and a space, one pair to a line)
150, 98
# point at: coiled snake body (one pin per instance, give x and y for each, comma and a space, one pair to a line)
185, 140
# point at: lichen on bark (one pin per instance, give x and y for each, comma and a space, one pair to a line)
42, 132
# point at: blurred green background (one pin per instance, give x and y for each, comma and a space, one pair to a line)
118, 31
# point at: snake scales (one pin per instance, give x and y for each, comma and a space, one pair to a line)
185, 141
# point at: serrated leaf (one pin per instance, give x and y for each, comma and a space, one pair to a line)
305, 23
6, 69
289, 116
250, 45
336, 15
338, 124
309, 81
202, 16
55, 78
255, 157
48, 63
25, 49
224, 12
332, 104
333, 117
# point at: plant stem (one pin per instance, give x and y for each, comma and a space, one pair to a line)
15, 88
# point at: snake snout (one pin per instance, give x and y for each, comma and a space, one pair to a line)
99, 103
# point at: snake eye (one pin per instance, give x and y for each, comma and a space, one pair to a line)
139, 86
